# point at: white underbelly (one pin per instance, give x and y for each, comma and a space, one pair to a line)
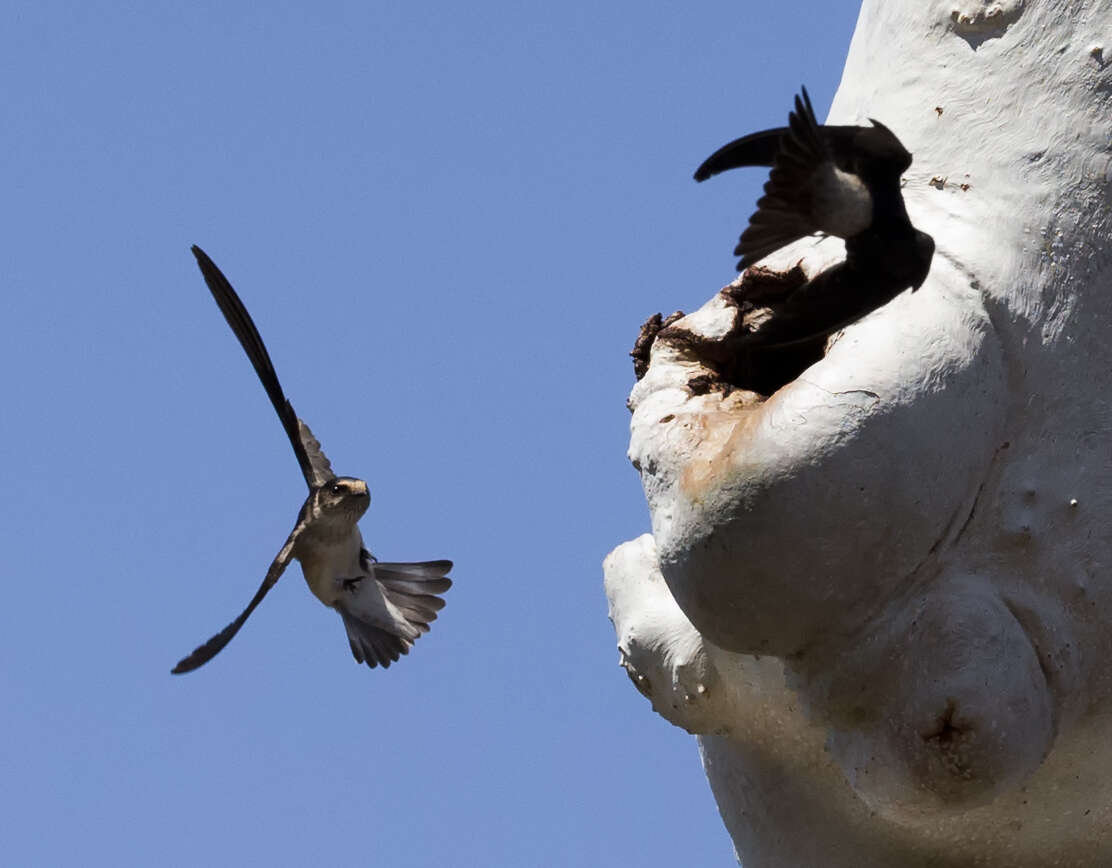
842, 203
326, 566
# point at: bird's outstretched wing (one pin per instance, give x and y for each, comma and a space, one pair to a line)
755, 149
318, 461
810, 187
314, 465
760, 149
784, 213
213, 646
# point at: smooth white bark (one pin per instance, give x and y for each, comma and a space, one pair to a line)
881, 596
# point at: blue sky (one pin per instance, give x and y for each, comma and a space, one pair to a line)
448, 221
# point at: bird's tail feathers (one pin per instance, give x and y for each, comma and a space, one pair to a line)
410, 591
370, 644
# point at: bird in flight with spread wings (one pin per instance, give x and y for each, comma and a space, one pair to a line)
834, 180
385, 607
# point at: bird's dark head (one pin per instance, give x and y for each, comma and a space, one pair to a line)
343, 495
879, 153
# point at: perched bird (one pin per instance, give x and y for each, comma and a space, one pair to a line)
836, 180
385, 607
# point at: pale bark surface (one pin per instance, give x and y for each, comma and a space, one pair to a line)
881, 596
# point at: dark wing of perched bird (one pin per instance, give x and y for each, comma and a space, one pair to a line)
212, 647
760, 149
314, 464
813, 185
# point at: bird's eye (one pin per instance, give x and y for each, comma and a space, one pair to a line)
336, 488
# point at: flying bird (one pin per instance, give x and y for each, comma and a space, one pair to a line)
835, 180
385, 607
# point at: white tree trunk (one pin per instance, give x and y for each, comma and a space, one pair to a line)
881, 596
